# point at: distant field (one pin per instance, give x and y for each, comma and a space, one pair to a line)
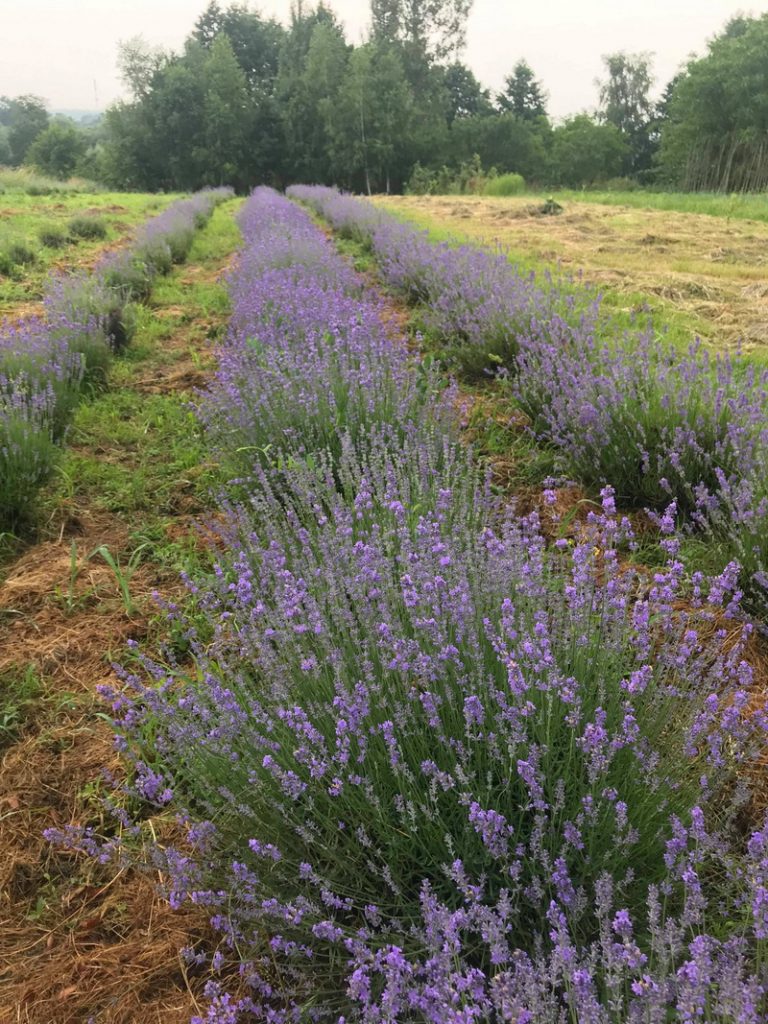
24, 218
703, 275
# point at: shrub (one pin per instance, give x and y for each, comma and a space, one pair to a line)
14, 255
409, 732
27, 447
52, 237
88, 228
505, 185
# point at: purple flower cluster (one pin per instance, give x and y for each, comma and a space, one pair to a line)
656, 424
431, 768
88, 316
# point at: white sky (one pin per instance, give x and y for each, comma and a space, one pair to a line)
65, 50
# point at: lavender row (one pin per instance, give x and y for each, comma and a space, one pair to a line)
308, 360
433, 769
88, 316
657, 425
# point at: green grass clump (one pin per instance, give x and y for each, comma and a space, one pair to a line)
505, 185
89, 228
16, 255
52, 237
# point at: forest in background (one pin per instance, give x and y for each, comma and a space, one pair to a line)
249, 101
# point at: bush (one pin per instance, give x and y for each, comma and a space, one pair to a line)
88, 228
52, 237
15, 255
27, 448
505, 185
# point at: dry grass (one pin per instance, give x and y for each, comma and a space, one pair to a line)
710, 269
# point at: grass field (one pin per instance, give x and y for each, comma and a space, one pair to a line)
702, 275
738, 206
24, 217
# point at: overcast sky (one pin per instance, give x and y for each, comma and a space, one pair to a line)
65, 50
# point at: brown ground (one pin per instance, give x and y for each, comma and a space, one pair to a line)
80, 941
711, 273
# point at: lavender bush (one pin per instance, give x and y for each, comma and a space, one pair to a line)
438, 771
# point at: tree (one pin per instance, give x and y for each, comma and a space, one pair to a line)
312, 69
584, 151
505, 142
625, 103
466, 97
255, 41
375, 122
25, 117
225, 103
716, 134
58, 150
434, 27
5, 146
522, 95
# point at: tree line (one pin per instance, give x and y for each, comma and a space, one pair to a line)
249, 100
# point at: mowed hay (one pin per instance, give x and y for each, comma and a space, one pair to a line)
77, 939
709, 267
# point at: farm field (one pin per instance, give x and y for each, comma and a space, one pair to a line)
37, 236
428, 693
703, 275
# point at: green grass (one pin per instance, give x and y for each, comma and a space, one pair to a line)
141, 455
738, 206
25, 218
19, 691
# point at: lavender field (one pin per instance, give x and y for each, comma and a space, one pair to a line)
432, 759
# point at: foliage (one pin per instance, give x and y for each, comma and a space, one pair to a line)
714, 137
25, 118
505, 185
625, 103
57, 150
522, 94
87, 227
584, 152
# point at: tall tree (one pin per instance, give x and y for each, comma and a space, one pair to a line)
466, 96
626, 104
522, 94
372, 132
225, 106
255, 41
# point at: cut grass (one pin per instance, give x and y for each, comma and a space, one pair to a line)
692, 275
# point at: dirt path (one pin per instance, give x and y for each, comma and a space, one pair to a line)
79, 942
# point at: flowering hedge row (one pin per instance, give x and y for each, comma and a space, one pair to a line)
44, 361
432, 769
655, 424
